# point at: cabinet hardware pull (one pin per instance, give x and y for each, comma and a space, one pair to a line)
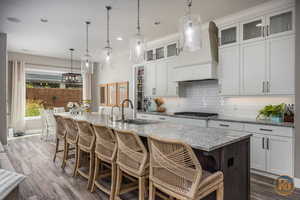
263, 143
268, 86
268, 147
162, 118
263, 87
264, 129
268, 30
263, 31
224, 125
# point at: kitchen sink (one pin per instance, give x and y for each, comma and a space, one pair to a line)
138, 121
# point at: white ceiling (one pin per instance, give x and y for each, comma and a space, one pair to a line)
66, 28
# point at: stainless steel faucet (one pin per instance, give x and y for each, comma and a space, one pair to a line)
112, 112
123, 102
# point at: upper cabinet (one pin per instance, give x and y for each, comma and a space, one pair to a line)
280, 23
162, 51
252, 30
228, 35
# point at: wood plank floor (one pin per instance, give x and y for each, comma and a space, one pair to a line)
47, 181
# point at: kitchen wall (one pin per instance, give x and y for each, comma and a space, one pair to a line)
3, 88
203, 96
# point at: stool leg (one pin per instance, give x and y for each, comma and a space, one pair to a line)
151, 191
141, 188
76, 160
97, 163
220, 192
66, 154
118, 183
91, 170
113, 181
56, 149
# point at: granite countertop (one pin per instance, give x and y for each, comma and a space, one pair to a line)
206, 139
228, 119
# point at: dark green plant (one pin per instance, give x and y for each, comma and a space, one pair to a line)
272, 110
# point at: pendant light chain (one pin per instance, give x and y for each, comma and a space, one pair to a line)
87, 37
138, 17
71, 52
107, 28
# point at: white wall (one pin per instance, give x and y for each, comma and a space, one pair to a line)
3, 88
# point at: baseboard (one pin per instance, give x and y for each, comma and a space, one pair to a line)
297, 182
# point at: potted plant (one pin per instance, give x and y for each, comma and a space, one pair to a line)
272, 112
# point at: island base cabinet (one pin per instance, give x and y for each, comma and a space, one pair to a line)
258, 152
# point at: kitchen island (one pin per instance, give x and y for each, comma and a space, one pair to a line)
216, 149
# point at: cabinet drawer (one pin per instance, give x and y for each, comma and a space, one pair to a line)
270, 130
191, 122
226, 125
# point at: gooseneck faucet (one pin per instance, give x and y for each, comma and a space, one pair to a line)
123, 102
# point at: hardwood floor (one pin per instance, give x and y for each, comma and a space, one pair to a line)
47, 181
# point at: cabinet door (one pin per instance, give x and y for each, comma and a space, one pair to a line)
122, 92
253, 62
253, 30
103, 94
112, 94
281, 65
228, 35
150, 79
173, 89
258, 153
280, 155
161, 78
229, 67
281, 23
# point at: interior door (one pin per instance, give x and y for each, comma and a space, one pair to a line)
229, 66
253, 62
258, 153
280, 155
150, 79
281, 65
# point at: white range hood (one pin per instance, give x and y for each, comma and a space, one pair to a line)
201, 64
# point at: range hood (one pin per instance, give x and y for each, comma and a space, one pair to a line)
201, 64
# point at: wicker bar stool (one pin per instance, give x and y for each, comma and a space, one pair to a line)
176, 171
86, 143
60, 134
71, 141
105, 153
133, 160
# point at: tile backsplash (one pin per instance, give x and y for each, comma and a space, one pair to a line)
203, 96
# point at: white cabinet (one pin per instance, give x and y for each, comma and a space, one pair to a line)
150, 79
158, 79
281, 65
258, 152
253, 30
229, 70
279, 155
272, 149
228, 35
253, 63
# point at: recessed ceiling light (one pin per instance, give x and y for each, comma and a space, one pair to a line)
119, 38
44, 20
13, 19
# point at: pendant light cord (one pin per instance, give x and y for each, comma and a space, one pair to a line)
71, 52
138, 17
189, 6
107, 27
87, 37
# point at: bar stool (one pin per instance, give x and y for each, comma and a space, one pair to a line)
105, 152
86, 143
133, 160
71, 141
60, 134
176, 171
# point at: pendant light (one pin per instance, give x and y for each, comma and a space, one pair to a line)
86, 62
107, 49
137, 43
71, 77
190, 30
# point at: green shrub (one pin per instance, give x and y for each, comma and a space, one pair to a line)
33, 107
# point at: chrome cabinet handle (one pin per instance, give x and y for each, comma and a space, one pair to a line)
264, 129
263, 31
224, 125
162, 118
268, 86
263, 87
268, 147
268, 30
263, 143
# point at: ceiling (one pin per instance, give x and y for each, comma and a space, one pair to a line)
66, 22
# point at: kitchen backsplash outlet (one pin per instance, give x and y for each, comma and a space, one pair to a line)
203, 96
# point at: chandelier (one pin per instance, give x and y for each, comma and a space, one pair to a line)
71, 77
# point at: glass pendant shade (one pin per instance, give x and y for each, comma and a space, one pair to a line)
107, 55
87, 65
190, 32
137, 48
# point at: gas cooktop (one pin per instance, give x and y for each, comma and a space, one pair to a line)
196, 114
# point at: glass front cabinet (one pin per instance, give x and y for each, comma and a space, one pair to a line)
253, 30
228, 35
280, 23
